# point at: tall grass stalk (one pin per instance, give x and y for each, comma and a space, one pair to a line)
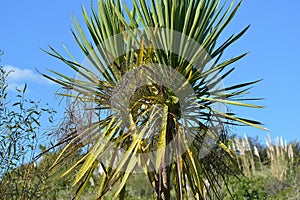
280, 157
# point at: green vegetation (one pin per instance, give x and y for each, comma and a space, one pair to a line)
20, 132
143, 117
269, 173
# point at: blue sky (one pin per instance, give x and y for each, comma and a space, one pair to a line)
273, 42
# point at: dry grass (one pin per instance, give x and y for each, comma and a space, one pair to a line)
280, 156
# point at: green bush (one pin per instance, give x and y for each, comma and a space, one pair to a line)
243, 188
19, 134
292, 189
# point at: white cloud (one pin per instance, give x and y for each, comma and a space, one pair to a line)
11, 86
19, 76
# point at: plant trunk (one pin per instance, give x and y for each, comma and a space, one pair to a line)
163, 184
123, 193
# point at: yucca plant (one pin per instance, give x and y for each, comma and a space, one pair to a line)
153, 77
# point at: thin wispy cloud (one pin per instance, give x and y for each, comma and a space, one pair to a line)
18, 77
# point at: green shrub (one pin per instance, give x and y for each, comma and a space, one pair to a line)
292, 189
19, 134
243, 188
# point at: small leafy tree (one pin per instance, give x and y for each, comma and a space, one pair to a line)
19, 133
